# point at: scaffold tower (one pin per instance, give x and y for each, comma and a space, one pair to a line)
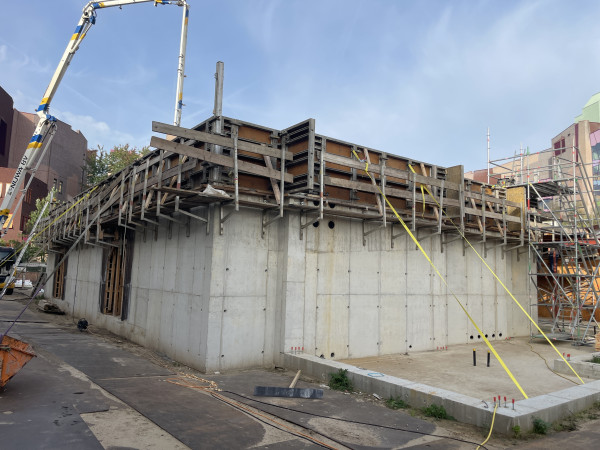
564, 252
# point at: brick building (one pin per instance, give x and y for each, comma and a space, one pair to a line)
61, 167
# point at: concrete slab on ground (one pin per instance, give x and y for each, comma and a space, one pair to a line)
453, 369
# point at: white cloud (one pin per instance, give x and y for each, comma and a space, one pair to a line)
98, 132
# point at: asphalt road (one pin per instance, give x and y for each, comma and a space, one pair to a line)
90, 390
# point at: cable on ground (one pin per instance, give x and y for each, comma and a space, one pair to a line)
491, 427
212, 388
376, 425
548, 366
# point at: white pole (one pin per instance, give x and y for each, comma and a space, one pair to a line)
181, 66
488, 156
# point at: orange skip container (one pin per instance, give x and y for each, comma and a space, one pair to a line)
14, 354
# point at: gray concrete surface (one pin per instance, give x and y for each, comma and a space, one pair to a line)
582, 365
548, 407
61, 399
450, 368
114, 394
237, 300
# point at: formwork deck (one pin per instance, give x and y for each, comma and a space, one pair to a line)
453, 369
279, 170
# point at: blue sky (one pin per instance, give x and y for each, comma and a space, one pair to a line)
422, 79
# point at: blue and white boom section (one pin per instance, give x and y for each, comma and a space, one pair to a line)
37, 146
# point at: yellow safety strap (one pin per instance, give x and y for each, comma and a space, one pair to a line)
415, 240
491, 427
503, 285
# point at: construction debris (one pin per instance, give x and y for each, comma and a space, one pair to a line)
48, 307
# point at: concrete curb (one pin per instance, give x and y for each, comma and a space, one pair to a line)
549, 407
581, 364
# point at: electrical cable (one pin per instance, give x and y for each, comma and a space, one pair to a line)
548, 366
213, 389
349, 420
491, 427
304, 436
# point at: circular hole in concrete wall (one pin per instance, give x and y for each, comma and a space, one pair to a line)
322, 356
471, 336
478, 336
331, 224
316, 202
331, 205
494, 335
410, 346
486, 336
332, 355
316, 224
500, 334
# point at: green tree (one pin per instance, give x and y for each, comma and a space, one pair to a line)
100, 164
95, 168
33, 250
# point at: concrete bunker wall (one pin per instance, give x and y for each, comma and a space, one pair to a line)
374, 300
234, 300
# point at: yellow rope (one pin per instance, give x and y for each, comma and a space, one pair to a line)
491, 427
35, 236
501, 283
415, 240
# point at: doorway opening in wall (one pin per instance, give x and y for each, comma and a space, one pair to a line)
116, 274
60, 275
113, 289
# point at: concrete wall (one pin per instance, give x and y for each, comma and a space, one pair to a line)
236, 300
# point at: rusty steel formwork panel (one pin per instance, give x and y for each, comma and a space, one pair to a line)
293, 168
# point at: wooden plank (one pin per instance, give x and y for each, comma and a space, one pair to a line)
226, 161
364, 187
217, 139
478, 218
397, 173
273, 181
489, 204
517, 196
455, 176
373, 182
435, 210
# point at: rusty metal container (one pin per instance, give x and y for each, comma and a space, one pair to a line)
14, 354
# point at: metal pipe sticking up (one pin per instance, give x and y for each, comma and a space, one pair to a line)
218, 116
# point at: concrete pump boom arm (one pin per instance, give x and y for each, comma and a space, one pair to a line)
46, 125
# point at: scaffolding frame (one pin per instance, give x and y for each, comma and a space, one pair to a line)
563, 231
